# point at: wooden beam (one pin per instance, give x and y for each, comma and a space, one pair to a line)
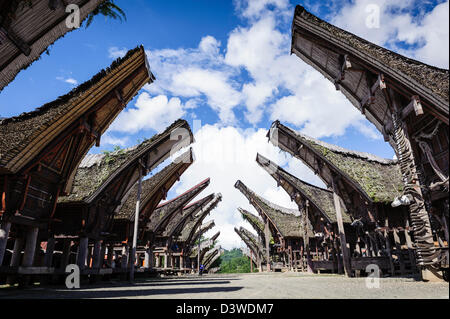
414, 105
338, 207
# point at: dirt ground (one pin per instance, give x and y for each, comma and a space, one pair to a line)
243, 286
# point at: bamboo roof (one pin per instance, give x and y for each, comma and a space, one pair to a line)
323, 46
165, 211
154, 189
23, 137
286, 221
28, 28
321, 199
97, 170
378, 179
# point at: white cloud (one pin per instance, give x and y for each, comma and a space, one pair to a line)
429, 31
108, 139
226, 154
115, 52
150, 113
68, 80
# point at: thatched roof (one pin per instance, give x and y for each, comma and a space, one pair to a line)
256, 222
24, 136
327, 42
211, 261
204, 246
201, 230
155, 188
165, 211
321, 198
174, 227
96, 170
209, 255
192, 223
379, 179
252, 242
28, 28
285, 220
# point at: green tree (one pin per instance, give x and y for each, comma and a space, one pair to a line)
109, 10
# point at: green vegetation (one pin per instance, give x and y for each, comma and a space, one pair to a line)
108, 9
233, 261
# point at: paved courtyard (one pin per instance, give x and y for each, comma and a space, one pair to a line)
242, 286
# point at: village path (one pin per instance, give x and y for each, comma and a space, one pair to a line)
243, 286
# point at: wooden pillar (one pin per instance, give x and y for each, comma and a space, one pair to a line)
82, 252
48, 259
290, 254
267, 240
157, 261
30, 247
65, 254
166, 261
147, 258
96, 254
17, 252
389, 252
110, 255
4, 234
124, 261
338, 205
399, 252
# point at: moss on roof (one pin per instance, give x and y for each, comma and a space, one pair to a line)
432, 78
255, 221
380, 179
18, 131
96, 169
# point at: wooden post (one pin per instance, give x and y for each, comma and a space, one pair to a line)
110, 255
267, 240
82, 252
96, 254
48, 259
4, 234
399, 252
157, 261
66, 254
409, 244
147, 258
136, 221
124, 261
338, 206
30, 247
166, 260
17, 252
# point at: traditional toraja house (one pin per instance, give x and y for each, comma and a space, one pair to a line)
203, 247
101, 186
255, 246
285, 226
211, 256
363, 185
376, 246
192, 227
40, 150
196, 238
27, 28
408, 103
153, 190
211, 261
162, 216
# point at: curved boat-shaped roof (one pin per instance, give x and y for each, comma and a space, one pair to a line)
285, 221
28, 28
328, 43
376, 179
321, 199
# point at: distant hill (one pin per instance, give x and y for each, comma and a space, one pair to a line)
233, 261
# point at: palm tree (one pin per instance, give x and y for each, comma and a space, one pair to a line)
108, 9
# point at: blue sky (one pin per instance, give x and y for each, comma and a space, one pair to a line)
227, 64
